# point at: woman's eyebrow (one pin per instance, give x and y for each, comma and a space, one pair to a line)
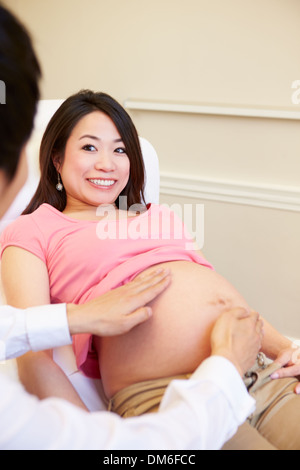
89, 137
98, 138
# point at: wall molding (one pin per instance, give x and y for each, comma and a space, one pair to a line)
214, 110
265, 196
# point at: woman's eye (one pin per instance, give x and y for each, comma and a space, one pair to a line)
89, 148
120, 150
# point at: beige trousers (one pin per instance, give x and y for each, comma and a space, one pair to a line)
275, 424
141, 398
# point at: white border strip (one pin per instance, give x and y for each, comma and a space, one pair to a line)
235, 111
271, 197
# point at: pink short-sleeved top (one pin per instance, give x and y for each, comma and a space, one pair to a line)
88, 258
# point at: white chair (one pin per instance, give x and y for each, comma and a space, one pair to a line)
89, 390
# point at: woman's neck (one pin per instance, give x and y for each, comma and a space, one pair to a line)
82, 211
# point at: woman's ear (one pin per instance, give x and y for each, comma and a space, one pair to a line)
56, 162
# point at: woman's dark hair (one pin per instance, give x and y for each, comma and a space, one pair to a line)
19, 75
58, 132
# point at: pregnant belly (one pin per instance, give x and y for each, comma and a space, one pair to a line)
177, 337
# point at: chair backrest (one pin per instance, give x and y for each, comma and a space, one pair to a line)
46, 109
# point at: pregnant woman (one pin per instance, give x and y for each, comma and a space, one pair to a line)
87, 231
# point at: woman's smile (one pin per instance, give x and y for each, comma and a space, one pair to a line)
102, 183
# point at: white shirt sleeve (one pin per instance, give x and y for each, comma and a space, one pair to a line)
200, 413
35, 329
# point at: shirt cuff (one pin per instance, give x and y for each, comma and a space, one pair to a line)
47, 327
222, 373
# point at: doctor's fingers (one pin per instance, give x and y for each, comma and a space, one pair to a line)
149, 280
139, 292
257, 325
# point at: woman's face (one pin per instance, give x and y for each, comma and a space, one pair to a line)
96, 167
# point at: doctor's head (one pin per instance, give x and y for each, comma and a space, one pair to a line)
19, 92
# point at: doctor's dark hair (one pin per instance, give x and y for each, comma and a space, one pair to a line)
57, 134
19, 74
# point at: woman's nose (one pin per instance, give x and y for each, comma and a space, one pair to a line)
105, 162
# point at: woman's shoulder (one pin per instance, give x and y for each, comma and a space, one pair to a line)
28, 223
20, 223
44, 210
27, 232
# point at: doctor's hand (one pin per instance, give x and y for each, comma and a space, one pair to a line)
237, 336
121, 309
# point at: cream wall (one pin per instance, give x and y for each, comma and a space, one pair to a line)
233, 53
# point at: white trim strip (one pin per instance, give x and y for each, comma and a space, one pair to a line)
215, 110
267, 196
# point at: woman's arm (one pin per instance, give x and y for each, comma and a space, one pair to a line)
24, 278
26, 284
274, 342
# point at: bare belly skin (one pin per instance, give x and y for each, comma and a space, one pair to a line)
177, 337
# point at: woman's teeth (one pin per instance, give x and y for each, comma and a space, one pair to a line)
102, 182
